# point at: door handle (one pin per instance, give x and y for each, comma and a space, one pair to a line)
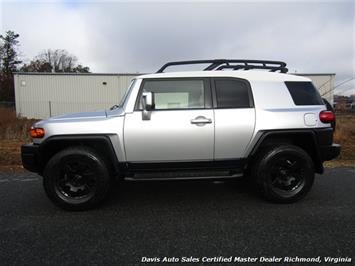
201, 120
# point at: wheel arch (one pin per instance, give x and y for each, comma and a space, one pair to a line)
100, 143
305, 139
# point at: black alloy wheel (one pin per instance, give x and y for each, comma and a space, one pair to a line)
287, 175
77, 178
283, 173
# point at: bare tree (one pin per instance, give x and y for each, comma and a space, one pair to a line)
57, 60
60, 60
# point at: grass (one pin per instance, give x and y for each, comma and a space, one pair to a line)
15, 131
344, 135
12, 127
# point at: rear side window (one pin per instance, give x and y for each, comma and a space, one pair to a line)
232, 93
304, 93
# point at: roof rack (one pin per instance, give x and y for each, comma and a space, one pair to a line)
233, 64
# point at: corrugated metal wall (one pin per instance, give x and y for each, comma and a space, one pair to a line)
44, 95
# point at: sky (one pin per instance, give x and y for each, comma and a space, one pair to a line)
116, 36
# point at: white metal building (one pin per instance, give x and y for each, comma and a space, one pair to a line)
41, 95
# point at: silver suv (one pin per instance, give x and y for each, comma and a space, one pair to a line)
235, 118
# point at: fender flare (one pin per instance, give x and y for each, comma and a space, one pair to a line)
290, 134
100, 142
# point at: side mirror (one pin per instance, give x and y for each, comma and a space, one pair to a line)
147, 104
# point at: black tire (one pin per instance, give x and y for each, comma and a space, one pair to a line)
76, 179
283, 173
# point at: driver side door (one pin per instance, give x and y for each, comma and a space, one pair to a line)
181, 124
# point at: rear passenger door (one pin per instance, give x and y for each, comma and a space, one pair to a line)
234, 117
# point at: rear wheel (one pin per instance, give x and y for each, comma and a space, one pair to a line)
284, 173
76, 179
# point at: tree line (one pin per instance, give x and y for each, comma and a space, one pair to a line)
50, 60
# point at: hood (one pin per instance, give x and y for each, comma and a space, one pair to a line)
83, 115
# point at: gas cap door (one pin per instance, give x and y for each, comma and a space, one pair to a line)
310, 119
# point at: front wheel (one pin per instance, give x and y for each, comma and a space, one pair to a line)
76, 179
284, 173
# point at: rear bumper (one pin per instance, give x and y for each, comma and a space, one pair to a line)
30, 157
329, 152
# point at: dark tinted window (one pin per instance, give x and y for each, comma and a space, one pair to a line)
304, 93
232, 94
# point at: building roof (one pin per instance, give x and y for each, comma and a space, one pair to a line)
76, 74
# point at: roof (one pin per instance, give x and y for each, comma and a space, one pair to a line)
252, 75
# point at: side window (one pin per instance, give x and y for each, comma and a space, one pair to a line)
176, 94
232, 94
304, 93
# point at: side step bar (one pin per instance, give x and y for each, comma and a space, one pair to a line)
182, 175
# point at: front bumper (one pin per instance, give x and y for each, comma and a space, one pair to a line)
329, 152
30, 157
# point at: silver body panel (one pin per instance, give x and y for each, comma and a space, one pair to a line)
108, 123
234, 129
168, 136
171, 136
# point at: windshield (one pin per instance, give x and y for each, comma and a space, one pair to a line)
124, 98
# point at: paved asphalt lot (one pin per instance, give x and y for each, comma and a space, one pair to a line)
175, 219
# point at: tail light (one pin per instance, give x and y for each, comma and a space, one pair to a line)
37, 132
327, 116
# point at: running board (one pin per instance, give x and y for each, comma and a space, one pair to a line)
198, 175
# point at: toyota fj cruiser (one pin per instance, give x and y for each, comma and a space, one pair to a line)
229, 120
